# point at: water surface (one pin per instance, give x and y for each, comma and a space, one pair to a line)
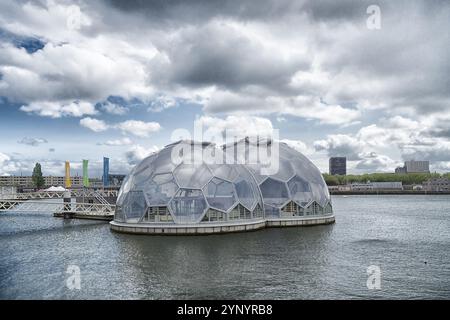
407, 236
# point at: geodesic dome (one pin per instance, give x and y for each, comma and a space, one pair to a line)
296, 189
171, 187
183, 191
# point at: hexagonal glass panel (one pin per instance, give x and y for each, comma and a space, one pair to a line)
274, 192
118, 214
319, 194
163, 162
162, 178
125, 187
224, 171
157, 195
244, 192
271, 211
300, 190
141, 177
188, 206
220, 194
285, 170
134, 205
192, 176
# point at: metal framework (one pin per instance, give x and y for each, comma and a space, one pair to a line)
57, 207
98, 194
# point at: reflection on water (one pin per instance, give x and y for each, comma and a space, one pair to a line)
407, 236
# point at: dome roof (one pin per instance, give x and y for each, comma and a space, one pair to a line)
295, 178
170, 186
176, 185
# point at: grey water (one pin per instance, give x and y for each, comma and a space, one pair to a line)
406, 236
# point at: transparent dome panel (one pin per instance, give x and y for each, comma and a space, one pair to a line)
274, 192
224, 171
188, 206
125, 187
134, 205
160, 194
220, 194
271, 211
300, 190
162, 178
142, 176
285, 170
245, 192
319, 194
118, 214
192, 176
163, 162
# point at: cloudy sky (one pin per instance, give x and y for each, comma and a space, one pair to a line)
83, 80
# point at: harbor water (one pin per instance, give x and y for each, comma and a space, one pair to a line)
406, 236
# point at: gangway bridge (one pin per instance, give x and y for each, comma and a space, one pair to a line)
99, 194
61, 204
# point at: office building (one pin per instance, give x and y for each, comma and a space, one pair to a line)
338, 165
413, 166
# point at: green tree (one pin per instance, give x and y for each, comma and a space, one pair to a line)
37, 178
405, 178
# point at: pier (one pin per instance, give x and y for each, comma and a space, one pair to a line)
73, 204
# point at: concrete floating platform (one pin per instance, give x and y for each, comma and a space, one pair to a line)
74, 215
216, 228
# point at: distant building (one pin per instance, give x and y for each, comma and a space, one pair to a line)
413, 166
339, 188
361, 186
7, 192
27, 182
400, 170
376, 186
338, 165
437, 185
387, 185
115, 180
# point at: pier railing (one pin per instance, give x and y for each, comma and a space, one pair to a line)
98, 194
88, 209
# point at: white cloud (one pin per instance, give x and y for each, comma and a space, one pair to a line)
232, 127
138, 152
115, 109
299, 145
341, 145
134, 127
162, 103
117, 142
32, 141
376, 163
138, 128
94, 124
58, 110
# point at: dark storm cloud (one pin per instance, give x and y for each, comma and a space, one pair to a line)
213, 55
199, 11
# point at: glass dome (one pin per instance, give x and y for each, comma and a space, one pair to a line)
184, 183
295, 188
170, 186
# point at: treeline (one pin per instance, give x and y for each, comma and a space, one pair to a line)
410, 178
